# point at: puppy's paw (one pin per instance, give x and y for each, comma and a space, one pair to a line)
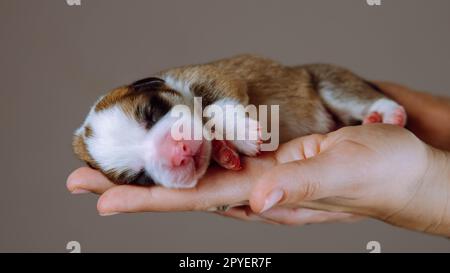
373, 117
225, 155
386, 111
396, 117
250, 145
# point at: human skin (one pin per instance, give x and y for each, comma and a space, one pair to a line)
428, 115
377, 171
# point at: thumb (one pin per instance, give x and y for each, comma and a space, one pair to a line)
294, 182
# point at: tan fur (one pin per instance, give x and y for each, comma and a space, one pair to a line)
113, 97
261, 81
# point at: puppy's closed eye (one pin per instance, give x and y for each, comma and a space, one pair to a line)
154, 111
151, 114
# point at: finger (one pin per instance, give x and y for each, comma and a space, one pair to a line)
297, 181
300, 148
85, 180
302, 216
240, 213
217, 188
128, 198
245, 214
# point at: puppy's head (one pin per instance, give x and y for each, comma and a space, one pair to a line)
127, 136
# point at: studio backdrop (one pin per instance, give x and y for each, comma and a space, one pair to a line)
58, 57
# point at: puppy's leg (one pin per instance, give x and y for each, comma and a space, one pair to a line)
351, 99
218, 90
234, 131
250, 143
239, 126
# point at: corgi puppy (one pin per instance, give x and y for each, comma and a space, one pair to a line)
128, 133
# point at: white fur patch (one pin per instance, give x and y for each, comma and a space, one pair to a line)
347, 109
80, 130
245, 133
117, 140
384, 106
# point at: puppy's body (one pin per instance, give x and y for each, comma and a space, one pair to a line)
312, 99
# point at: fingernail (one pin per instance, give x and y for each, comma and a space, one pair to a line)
272, 199
80, 191
109, 213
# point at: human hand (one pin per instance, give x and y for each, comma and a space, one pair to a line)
428, 115
380, 171
218, 187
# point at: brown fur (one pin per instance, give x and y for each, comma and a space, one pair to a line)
261, 81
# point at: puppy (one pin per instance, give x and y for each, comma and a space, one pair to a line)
128, 133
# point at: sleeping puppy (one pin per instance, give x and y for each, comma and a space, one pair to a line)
128, 133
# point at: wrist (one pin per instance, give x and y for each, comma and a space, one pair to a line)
441, 182
428, 209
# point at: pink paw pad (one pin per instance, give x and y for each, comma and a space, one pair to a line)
373, 117
398, 117
386, 111
225, 155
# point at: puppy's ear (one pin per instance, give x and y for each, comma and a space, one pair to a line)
147, 84
79, 146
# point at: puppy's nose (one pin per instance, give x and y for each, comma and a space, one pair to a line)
181, 155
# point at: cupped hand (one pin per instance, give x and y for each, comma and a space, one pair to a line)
380, 171
217, 188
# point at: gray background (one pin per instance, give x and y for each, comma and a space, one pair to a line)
56, 60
